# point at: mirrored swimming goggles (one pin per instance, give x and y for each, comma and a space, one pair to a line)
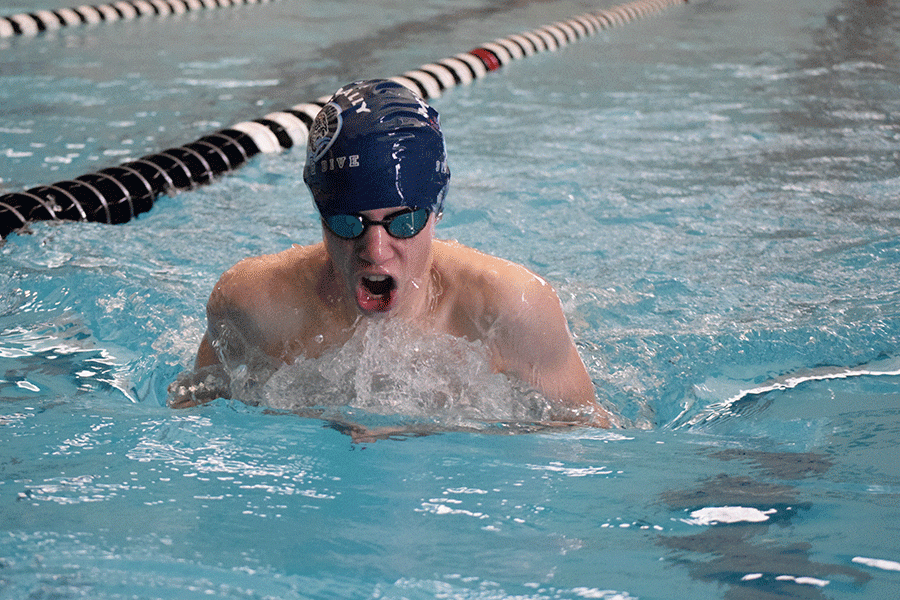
402, 225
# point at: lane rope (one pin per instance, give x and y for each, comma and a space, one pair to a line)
116, 195
31, 24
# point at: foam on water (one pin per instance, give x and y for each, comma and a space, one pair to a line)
391, 368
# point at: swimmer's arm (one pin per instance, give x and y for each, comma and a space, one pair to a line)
206, 356
230, 327
209, 379
535, 345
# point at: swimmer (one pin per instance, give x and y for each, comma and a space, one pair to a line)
377, 170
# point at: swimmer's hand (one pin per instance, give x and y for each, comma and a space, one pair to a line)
192, 388
360, 434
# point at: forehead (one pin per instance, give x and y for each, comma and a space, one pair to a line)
379, 214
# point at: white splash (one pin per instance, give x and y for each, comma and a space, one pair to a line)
388, 368
715, 515
804, 580
878, 563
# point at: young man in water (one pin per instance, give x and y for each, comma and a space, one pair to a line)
377, 169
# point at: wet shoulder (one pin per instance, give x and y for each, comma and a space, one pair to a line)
488, 280
263, 282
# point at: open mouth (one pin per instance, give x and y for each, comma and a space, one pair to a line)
375, 293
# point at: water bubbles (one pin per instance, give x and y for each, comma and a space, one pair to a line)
392, 368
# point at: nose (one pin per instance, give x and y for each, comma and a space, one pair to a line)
374, 246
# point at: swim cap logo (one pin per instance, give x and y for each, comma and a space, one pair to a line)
325, 130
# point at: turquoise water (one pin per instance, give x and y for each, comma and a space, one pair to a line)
715, 194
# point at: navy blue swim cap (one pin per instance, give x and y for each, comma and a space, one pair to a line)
374, 145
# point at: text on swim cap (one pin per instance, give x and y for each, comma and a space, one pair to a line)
357, 100
338, 162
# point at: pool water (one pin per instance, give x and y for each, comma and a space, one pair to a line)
715, 193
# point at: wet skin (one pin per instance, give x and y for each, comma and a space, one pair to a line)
310, 299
